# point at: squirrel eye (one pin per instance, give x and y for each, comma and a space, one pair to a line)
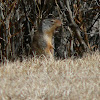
52, 20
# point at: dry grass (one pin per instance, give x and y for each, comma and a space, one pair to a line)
47, 79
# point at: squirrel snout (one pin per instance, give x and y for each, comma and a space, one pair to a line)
57, 22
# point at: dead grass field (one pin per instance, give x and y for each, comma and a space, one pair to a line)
48, 79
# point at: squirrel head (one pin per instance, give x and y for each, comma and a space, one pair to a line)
49, 25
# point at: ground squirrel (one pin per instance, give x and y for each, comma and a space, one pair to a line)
42, 40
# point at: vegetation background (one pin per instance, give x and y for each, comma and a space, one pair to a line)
34, 78
19, 20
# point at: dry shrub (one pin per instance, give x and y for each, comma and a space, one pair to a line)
48, 79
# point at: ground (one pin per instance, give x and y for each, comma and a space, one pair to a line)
49, 79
